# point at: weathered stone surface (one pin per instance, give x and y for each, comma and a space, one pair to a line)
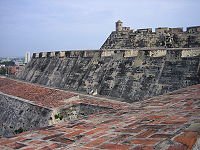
127, 74
79, 110
125, 38
18, 113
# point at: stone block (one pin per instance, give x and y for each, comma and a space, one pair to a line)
107, 53
90, 53
190, 53
62, 54
37, 55
44, 54
76, 53
130, 53
53, 54
158, 53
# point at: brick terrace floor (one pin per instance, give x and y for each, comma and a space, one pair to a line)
36, 94
170, 121
47, 97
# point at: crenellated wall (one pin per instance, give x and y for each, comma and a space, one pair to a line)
156, 52
132, 74
163, 37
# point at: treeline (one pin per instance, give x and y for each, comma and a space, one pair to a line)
8, 63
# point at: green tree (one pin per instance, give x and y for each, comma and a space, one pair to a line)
2, 71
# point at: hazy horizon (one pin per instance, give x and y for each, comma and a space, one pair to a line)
53, 25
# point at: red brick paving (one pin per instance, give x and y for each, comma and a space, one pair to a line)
96, 142
114, 146
187, 138
178, 147
32, 148
144, 141
75, 133
170, 121
147, 133
160, 136
16, 145
143, 147
120, 138
38, 95
12, 141
46, 97
94, 131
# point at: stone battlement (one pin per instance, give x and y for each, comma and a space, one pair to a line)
193, 29
127, 38
152, 52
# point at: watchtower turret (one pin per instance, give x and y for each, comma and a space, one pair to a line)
119, 25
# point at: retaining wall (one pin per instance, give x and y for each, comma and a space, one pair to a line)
18, 113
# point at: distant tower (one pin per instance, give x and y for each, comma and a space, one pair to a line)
27, 57
119, 25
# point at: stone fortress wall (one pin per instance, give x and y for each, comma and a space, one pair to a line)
119, 70
129, 74
19, 113
125, 37
131, 65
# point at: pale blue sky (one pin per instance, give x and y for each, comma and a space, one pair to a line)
49, 25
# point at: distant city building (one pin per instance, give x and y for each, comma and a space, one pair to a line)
27, 57
19, 62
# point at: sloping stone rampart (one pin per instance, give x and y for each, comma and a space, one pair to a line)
127, 74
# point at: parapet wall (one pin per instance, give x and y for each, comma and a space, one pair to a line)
131, 75
19, 114
157, 52
193, 29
